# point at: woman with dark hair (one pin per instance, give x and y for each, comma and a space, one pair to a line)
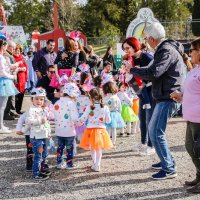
191, 113
65, 62
22, 78
109, 57
132, 48
92, 60
81, 58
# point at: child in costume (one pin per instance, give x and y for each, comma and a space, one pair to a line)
20, 130
135, 107
114, 104
95, 137
36, 121
83, 101
7, 87
127, 113
29, 154
66, 116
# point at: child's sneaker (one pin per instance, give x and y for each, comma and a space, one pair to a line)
46, 166
74, 166
5, 130
139, 147
46, 172
41, 177
147, 151
29, 169
62, 165
96, 168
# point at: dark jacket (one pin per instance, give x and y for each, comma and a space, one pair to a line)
166, 72
42, 59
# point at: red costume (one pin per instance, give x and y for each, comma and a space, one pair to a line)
22, 76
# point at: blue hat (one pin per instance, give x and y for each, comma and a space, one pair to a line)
2, 36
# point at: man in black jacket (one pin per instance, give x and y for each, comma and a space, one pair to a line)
166, 74
44, 83
43, 58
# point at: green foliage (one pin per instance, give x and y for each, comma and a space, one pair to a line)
105, 18
196, 17
69, 15
31, 14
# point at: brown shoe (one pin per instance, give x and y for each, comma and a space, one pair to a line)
191, 183
194, 189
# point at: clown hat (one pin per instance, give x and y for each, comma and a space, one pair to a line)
38, 92
71, 89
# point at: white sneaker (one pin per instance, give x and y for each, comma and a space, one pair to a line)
96, 168
150, 151
147, 152
139, 147
62, 165
5, 130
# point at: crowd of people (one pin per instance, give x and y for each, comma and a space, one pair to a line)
89, 99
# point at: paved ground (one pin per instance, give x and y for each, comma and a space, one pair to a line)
124, 175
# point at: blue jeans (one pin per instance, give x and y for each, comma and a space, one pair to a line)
67, 142
163, 111
40, 154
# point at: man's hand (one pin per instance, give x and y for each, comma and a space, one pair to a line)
176, 96
39, 75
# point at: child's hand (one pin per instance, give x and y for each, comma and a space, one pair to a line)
19, 133
44, 120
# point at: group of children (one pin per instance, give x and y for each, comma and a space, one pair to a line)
90, 110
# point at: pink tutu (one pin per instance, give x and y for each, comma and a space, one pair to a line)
55, 82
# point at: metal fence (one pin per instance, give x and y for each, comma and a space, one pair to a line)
178, 30
102, 40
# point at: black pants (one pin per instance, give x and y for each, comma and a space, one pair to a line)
192, 133
9, 105
18, 101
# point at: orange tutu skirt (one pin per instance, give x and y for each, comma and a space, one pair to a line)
135, 106
95, 138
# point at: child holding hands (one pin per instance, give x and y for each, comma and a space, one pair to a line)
95, 137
